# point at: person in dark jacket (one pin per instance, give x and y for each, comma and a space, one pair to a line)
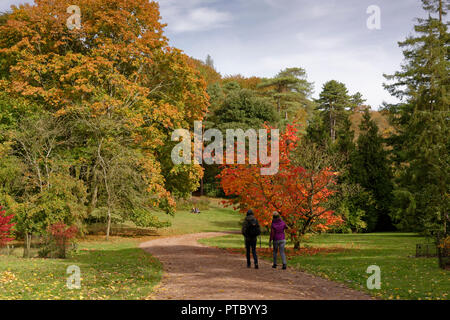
251, 231
278, 238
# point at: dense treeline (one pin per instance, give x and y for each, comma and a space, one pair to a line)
86, 117
394, 178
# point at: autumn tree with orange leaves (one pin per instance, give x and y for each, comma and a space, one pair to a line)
115, 84
299, 194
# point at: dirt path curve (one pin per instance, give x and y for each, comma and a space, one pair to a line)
197, 272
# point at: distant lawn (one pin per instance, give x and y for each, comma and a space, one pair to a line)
109, 270
216, 219
402, 277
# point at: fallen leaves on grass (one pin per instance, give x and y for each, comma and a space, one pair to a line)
7, 277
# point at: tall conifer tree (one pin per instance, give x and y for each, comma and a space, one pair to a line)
421, 146
370, 168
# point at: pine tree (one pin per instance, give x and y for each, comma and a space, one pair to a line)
421, 146
357, 101
345, 139
370, 169
290, 91
334, 102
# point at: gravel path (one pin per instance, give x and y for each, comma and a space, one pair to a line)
193, 271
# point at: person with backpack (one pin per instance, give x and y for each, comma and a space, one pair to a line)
278, 238
251, 231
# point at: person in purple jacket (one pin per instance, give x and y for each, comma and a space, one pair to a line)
278, 238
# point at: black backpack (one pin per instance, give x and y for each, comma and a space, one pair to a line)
253, 229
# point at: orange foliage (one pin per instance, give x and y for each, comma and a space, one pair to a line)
245, 83
299, 195
119, 63
209, 73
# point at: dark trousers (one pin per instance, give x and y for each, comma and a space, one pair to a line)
251, 244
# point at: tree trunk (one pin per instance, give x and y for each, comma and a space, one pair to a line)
63, 250
332, 124
297, 244
108, 228
334, 129
27, 245
445, 223
201, 186
93, 202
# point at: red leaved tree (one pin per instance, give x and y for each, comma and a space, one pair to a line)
298, 194
5, 227
60, 236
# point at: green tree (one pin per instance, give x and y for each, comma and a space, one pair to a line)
86, 115
345, 144
44, 191
244, 109
421, 144
333, 104
370, 168
357, 101
290, 90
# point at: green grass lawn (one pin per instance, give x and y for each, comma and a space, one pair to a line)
117, 269
402, 277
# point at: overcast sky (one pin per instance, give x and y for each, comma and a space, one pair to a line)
328, 38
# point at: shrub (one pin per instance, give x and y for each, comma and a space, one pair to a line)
145, 219
58, 239
5, 227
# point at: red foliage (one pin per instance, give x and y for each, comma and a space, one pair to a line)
5, 227
60, 232
299, 195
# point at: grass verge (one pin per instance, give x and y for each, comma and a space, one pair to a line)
117, 269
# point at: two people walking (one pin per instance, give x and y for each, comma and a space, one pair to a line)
251, 230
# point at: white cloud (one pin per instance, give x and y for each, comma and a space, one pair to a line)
200, 19
193, 15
